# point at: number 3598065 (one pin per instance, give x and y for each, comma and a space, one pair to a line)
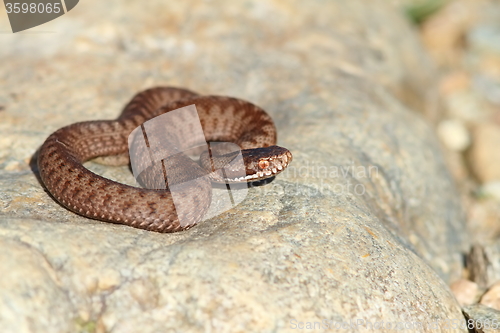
32, 8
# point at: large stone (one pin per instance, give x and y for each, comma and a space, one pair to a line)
363, 227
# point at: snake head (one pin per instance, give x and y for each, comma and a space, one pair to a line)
262, 163
252, 165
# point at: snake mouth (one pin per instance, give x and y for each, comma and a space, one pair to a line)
259, 175
256, 176
252, 164
263, 167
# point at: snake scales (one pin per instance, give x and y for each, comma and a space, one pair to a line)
61, 158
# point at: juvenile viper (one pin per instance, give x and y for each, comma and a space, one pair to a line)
61, 158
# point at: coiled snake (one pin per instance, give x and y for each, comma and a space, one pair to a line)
61, 158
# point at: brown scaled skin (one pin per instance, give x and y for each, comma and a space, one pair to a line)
61, 158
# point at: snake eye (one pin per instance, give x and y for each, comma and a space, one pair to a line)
263, 164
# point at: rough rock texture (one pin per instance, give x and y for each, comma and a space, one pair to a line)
483, 264
482, 319
363, 226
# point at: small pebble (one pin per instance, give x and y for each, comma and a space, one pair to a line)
491, 297
485, 152
454, 134
465, 291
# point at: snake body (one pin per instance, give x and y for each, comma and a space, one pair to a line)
61, 158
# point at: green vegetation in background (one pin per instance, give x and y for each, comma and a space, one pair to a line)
83, 326
418, 11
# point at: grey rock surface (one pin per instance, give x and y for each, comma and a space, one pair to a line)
483, 263
365, 226
482, 319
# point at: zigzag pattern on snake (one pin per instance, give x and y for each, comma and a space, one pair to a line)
61, 158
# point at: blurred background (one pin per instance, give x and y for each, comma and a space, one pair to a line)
463, 38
